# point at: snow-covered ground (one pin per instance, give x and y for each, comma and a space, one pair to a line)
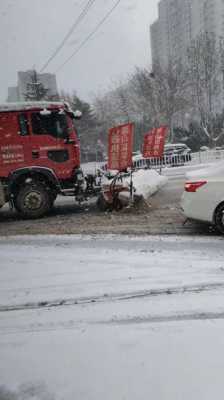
93, 318
192, 170
216, 169
182, 170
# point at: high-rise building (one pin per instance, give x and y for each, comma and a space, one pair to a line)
179, 22
18, 93
13, 94
172, 32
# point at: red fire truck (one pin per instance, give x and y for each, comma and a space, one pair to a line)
39, 157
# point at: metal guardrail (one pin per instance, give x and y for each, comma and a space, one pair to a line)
205, 157
158, 163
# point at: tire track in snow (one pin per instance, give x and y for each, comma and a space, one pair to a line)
105, 298
203, 316
82, 326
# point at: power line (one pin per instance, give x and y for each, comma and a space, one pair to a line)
71, 30
90, 35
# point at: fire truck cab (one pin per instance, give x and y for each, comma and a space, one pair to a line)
39, 156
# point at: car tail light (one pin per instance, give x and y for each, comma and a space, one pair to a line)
194, 186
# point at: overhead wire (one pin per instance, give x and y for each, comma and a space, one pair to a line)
90, 35
80, 18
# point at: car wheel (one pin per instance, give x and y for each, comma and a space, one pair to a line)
33, 201
219, 218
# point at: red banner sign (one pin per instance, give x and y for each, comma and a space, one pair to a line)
154, 142
120, 147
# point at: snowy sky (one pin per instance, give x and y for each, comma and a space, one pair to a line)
32, 29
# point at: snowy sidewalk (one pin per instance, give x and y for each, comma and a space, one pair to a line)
95, 318
79, 268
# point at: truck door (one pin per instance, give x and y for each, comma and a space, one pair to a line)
14, 141
24, 135
50, 144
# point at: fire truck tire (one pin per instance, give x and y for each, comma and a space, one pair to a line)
52, 200
33, 201
101, 203
117, 204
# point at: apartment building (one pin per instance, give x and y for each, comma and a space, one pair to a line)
180, 21
172, 32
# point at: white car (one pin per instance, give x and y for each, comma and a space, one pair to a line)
176, 153
203, 198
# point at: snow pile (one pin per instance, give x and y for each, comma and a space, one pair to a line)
92, 167
45, 112
147, 182
29, 105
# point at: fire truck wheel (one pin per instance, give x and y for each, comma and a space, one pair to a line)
33, 201
52, 200
117, 204
102, 204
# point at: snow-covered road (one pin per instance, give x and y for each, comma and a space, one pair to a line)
111, 317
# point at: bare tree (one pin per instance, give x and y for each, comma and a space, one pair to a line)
147, 98
162, 92
204, 70
35, 90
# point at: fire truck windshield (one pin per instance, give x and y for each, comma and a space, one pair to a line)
53, 124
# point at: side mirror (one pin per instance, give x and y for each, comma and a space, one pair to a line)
69, 141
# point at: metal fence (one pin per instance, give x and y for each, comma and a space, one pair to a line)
204, 157
207, 156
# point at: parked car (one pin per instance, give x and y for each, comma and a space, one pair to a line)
204, 148
203, 198
176, 154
